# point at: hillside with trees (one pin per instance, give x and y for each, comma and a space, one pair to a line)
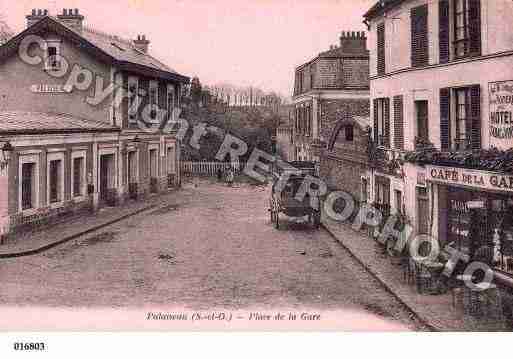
5, 31
247, 113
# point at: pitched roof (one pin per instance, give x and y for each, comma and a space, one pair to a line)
20, 122
341, 52
121, 49
109, 48
337, 52
380, 7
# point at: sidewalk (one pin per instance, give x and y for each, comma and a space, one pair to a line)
436, 311
39, 241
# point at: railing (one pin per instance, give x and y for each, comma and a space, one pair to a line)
204, 168
462, 144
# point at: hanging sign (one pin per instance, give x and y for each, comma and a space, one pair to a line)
501, 111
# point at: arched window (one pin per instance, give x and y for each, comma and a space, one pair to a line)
348, 134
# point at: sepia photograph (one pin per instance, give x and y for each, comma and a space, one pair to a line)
256, 165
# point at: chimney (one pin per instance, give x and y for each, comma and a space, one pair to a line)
353, 42
142, 44
35, 16
72, 18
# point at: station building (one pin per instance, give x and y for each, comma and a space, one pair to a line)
75, 145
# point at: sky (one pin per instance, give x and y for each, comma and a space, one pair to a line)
241, 42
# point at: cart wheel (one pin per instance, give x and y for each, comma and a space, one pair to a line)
277, 220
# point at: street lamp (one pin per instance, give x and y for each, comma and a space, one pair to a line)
7, 151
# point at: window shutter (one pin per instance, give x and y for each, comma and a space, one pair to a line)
398, 123
387, 122
445, 119
474, 23
475, 117
381, 49
376, 114
419, 36
444, 30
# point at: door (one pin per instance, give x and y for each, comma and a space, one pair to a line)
422, 211
104, 177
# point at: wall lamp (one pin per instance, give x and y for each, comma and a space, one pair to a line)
7, 150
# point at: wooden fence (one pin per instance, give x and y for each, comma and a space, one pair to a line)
204, 168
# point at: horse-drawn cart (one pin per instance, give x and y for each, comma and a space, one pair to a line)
285, 200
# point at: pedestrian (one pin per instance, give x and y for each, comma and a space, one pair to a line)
219, 174
229, 177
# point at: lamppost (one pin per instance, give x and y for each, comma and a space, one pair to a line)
7, 150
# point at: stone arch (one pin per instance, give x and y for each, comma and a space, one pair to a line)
342, 124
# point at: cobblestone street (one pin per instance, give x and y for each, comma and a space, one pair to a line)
208, 247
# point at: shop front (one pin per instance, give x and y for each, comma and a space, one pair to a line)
476, 214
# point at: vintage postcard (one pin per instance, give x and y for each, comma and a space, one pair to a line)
256, 165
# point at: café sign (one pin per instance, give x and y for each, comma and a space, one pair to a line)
470, 178
501, 110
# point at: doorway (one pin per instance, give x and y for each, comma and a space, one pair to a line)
107, 179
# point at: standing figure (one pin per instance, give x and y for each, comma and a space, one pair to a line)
229, 176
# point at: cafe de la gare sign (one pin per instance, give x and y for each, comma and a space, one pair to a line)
470, 178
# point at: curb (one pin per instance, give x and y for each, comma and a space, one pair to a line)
421, 318
73, 236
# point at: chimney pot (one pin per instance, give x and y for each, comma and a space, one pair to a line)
33, 12
46, 12
70, 12
76, 11
39, 12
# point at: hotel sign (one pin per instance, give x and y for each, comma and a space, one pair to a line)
501, 110
470, 178
44, 88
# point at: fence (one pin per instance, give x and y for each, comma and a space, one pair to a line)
204, 168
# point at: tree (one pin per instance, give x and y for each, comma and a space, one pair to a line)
196, 90
5, 31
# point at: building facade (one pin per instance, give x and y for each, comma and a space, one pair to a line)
85, 114
441, 96
326, 89
331, 112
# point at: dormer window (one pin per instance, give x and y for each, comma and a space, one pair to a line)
53, 62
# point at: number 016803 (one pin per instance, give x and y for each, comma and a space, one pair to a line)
18, 346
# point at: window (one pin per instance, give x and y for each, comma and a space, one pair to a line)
381, 53
460, 118
53, 62
28, 183
153, 163
349, 133
382, 121
461, 139
153, 99
398, 201
365, 190
170, 101
133, 100
461, 33
132, 167
54, 181
78, 176
382, 200
171, 164
419, 36
399, 122
422, 119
